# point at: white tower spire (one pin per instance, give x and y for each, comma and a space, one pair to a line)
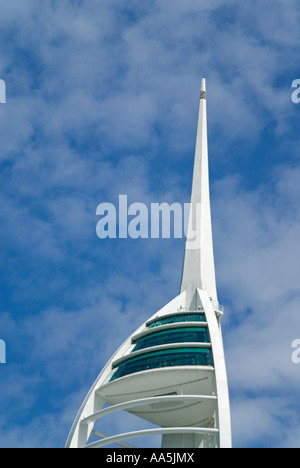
198, 266
171, 371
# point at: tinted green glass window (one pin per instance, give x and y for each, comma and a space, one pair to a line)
176, 335
178, 318
167, 358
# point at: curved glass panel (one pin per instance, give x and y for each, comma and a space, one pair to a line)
178, 318
166, 358
175, 335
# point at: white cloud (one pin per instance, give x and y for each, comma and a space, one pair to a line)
258, 270
102, 100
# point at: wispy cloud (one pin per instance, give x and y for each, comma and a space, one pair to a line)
101, 101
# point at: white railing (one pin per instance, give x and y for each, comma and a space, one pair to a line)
119, 438
159, 431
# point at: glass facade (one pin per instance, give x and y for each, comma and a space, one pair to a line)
175, 335
196, 317
165, 358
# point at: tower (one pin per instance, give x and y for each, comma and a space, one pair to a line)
171, 371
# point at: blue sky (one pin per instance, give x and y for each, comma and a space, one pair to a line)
102, 100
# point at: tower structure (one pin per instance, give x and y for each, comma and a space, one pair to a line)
171, 371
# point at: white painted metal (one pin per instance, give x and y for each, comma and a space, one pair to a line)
223, 414
101, 436
147, 432
198, 267
142, 402
190, 404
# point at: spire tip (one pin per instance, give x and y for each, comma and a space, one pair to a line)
203, 89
